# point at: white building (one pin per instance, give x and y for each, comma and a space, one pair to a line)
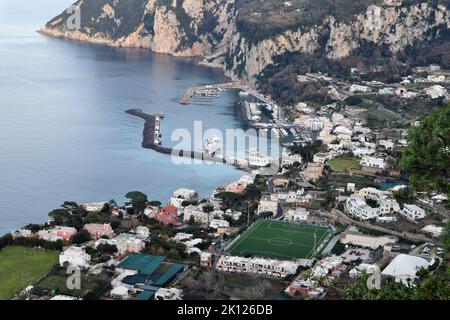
353, 237
181, 195
143, 232
373, 162
297, 215
261, 266
75, 257
197, 213
125, 243
94, 206
217, 223
357, 207
384, 199
23, 233
413, 212
436, 92
289, 159
433, 230
364, 267
355, 88
169, 294
268, 204
403, 268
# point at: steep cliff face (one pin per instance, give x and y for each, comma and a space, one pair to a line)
218, 30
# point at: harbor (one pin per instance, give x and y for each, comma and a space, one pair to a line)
152, 139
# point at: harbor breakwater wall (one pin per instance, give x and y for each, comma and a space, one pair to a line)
151, 140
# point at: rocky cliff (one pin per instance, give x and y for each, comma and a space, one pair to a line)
244, 36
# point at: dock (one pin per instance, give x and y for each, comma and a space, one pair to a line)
152, 140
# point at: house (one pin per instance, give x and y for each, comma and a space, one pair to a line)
57, 233
143, 232
120, 293
290, 159
280, 183
182, 195
22, 233
64, 232
216, 223
353, 237
236, 187
151, 211
372, 162
297, 215
125, 243
433, 230
363, 267
436, 92
269, 267
97, 230
268, 204
355, 88
321, 158
403, 268
357, 207
326, 269
169, 294
351, 187
168, 215
413, 212
198, 215
75, 257
94, 206
384, 199
206, 259
314, 171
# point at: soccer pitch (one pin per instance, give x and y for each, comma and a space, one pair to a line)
21, 266
280, 240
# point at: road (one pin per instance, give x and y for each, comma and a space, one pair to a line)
343, 218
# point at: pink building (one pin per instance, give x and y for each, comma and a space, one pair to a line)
236, 187
168, 215
65, 232
97, 230
57, 233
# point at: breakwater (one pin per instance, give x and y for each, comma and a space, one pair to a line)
152, 139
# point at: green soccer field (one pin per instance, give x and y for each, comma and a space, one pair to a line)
280, 240
20, 267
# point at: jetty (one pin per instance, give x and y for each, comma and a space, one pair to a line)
215, 90
152, 139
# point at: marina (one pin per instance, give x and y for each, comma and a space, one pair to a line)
152, 139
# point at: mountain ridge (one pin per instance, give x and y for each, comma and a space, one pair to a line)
243, 37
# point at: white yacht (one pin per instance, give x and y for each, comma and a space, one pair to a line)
212, 145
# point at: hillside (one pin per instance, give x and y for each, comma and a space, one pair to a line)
246, 36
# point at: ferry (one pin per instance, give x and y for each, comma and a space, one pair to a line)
255, 159
212, 145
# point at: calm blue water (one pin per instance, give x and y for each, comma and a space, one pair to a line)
64, 134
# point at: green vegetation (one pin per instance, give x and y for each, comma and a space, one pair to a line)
258, 20
56, 283
429, 287
344, 163
20, 267
427, 157
275, 239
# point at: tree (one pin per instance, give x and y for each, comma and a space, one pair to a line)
81, 237
208, 208
138, 200
107, 248
427, 157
